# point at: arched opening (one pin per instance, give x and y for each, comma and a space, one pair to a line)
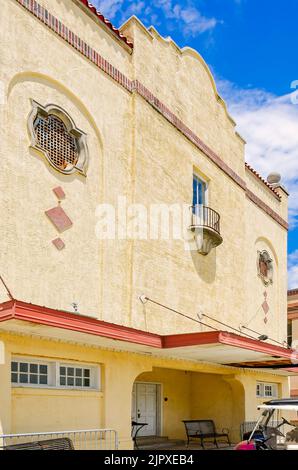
163, 398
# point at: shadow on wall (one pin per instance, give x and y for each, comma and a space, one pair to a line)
205, 266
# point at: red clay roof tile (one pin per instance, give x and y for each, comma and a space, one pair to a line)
107, 23
262, 179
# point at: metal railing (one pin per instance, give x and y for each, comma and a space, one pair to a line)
206, 217
86, 439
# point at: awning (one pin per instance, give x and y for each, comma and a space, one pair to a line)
218, 347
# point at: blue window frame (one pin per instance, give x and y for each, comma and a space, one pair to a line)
199, 191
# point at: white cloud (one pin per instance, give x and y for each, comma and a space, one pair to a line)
293, 270
108, 7
269, 124
184, 15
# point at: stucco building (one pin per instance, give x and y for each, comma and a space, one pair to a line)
91, 115
293, 332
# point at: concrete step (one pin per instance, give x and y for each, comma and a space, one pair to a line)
156, 442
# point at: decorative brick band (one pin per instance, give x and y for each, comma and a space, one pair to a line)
256, 200
91, 54
188, 133
75, 41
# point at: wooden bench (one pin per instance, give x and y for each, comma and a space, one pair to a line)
204, 429
63, 443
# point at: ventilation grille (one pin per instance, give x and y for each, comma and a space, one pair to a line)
53, 137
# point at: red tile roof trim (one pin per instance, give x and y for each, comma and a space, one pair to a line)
106, 22
75, 41
23, 311
135, 86
292, 292
188, 133
256, 200
250, 168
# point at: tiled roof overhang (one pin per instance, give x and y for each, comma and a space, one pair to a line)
292, 292
106, 22
252, 170
15, 310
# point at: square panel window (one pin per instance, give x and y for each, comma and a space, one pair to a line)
34, 379
26, 373
266, 390
35, 374
23, 367
63, 381
43, 369
23, 378
70, 381
43, 379
75, 376
14, 378
34, 368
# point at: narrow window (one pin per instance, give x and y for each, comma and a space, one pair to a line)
199, 192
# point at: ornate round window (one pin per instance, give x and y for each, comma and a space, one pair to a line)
55, 135
265, 267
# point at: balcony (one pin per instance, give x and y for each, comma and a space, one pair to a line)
205, 223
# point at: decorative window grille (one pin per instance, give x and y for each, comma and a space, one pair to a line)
53, 137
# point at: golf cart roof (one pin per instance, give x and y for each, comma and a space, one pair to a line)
282, 404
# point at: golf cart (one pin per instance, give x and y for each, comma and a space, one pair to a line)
272, 431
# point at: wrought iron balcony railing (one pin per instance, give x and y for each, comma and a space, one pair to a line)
205, 223
206, 217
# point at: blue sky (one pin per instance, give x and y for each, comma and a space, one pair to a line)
250, 48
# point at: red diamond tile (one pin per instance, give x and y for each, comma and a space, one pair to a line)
59, 218
265, 307
59, 193
59, 244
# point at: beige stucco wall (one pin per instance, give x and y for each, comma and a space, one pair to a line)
181, 80
126, 159
136, 153
176, 389
36, 271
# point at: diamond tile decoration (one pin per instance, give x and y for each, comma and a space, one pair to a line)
59, 218
265, 307
265, 320
59, 244
59, 193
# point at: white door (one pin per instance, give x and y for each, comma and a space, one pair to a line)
144, 407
